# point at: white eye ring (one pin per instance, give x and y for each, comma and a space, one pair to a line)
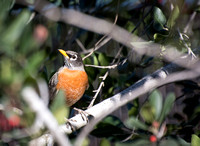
74, 57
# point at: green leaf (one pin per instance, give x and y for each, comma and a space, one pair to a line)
130, 26
172, 18
155, 101
59, 108
169, 101
195, 140
15, 29
105, 142
6, 70
169, 142
133, 111
182, 142
34, 62
27, 42
135, 123
159, 37
95, 60
6, 5
159, 21
158, 16
86, 142
112, 120
148, 112
103, 59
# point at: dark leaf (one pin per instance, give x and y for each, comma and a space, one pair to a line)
135, 123
169, 101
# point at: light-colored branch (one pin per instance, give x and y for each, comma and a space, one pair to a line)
190, 52
102, 67
105, 37
80, 45
98, 90
190, 22
38, 106
161, 77
161, 131
98, 46
46, 139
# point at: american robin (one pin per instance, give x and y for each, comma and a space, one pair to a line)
71, 78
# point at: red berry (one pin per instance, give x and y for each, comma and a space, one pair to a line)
14, 121
40, 33
152, 138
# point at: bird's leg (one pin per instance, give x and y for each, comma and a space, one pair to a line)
83, 114
68, 124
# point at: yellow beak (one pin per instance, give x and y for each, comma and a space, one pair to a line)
63, 53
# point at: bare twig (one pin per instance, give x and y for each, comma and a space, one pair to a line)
190, 22
38, 106
80, 45
161, 131
98, 90
103, 41
105, 36
190, 52
102, 67
103, 79
107, 39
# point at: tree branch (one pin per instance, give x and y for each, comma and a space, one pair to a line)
161, 77
38, 106
101, 26
103, 78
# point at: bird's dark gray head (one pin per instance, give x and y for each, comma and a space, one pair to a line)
72, 60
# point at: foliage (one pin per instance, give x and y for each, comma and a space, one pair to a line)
28, 53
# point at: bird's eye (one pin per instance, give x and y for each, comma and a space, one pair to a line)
74, 57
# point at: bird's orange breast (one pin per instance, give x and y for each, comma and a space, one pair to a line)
73, 83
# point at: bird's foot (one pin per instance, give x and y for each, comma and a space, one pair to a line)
83, 114
69, 124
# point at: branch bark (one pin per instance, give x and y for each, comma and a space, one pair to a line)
104, 27
38, 106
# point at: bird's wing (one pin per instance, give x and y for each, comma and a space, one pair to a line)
52, 87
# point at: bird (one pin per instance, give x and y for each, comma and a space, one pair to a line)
71, 78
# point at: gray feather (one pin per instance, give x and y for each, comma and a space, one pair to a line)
52, 87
